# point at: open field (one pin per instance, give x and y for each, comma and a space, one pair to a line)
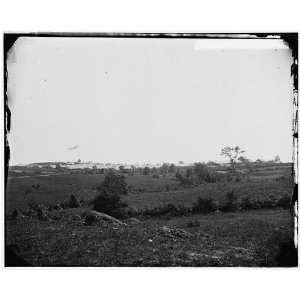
239, 238
145, 191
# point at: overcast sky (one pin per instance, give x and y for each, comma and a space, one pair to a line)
148, 100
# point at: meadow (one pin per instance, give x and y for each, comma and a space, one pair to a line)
251, 237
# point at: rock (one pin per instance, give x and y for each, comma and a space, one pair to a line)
97, 218
132, 221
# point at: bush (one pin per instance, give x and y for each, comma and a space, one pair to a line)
284, 201
167, 210
245, 203
113, 184
156, 176
230, 203
204, 174
204, 205
33, 205
184, 180
73, 202
270, 202
108, 203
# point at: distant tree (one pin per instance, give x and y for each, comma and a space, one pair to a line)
233, 154
146, 171
132, 168
121, 169
154, 170
172, 168
212, 163
180, 162
277, 159
164, 168
188, 173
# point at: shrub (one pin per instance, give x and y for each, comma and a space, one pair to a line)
184, 180
204, 205
73, 202
33, 205
146, 171
156, 176
230, 203
245, 203
256, 203
114, 184
203, 173
167, 210
284, 201
270, 202
108, 203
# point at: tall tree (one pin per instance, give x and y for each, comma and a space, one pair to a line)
233, 154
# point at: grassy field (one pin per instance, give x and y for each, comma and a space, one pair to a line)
236, 239
144, 191
241, 238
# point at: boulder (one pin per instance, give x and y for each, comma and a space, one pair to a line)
132, 221
93, 217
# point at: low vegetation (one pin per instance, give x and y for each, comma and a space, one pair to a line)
171, 216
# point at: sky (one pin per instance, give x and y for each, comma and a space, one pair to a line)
144, 100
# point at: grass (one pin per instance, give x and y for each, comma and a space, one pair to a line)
242, 238
237, 239
254, 190
58, 188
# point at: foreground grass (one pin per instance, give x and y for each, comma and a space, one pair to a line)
233, 239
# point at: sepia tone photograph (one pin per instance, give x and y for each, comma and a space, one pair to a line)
151, 150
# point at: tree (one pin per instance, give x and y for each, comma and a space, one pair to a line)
172, 168
114, 184
277, 159
188, 173
146, 171
108, 203
233, 154
121, 169
203, 173
132, 169
164, 168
